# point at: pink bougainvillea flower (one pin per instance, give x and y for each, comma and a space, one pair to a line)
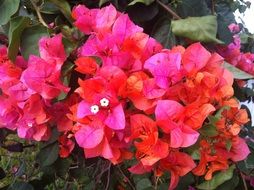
37, 132
52, 50
103, 149
110, 52
194, 114
239, 150
246, 62
89, 136
19, 91
165, 67
10, 113
114, 76
33, 124
168, 113
139, 168
195, 58
66, 146
151, 90
142, 91
178, 164
210, 162
9, 72
59, 112
150, 149
100, 97
86, 65
84, 18
112, 115
94, 20
234, 28
124, 27
41, 77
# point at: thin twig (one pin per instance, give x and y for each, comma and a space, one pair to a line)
37, 10
125, 177
244, 182
213, 6
168, 9
105, 168
108, 178
156, 179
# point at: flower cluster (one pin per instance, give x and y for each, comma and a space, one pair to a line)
233, 55
153, 99
135, 100
27, 89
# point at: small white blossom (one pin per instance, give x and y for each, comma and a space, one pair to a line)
29, 124
104, 102
94, 109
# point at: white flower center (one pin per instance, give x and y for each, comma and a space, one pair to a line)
94, 109
29, 124
104, 102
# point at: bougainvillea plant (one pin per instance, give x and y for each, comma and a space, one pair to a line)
122, 95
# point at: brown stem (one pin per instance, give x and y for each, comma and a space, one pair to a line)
37, 10
213, 5
244, 182
156, 182
108, 177
125, 177
168, 9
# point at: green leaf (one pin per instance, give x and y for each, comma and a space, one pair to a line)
64, 7
249, 162
213, 119
48, 155
250, 144
185, 181
7, 9
30, 38
62, 166
143, 184
22, 169
49, 8
141, 13
146, 2
163, 186
192, 8
209, 130
66, 72
228, 144
2, 173
69, 46
17, 25
20, 185
163, 34
202, 29
79, 174
217, 179
101, 2
230, 184
237, 73
219, 112
54, 136
224, 33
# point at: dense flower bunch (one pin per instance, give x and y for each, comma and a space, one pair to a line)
28, 88
233, 55
135, 100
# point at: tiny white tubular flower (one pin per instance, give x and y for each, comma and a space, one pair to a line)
29, 124
94, 109
104, 102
